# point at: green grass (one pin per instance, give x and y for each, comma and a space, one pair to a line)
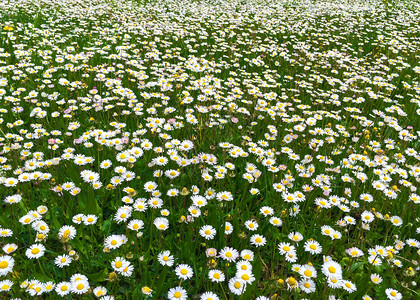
335, 83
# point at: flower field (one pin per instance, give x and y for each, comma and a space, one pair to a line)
209, 149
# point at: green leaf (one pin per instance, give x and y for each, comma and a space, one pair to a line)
54, 218
161, 281
41, 277
100, 276
106, 227
357, 265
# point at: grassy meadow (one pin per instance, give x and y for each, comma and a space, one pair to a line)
213, 149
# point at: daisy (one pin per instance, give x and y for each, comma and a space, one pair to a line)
127, 271
216, 275
376, 278
5, 285
172, 174
254, 191
63, 288
246, 276
177, 293
123, 214
146, 290
184, 271
247, 255
209, 296
244, 265
224, 196
229, 254
119, 263
375, 260
6, 264
194, 211
78, 219
258, 240
307, 285
150, 186
208, 232
63, 260
393, 294
291, 256
307, 271
166, 259
284, 248
35, 251
113, 242
10, 248
67, 231
275, 221
396, 221
90, 219
295, 236
251, 225
291, 283
334, 283
237, 286
99, 291
332, 269
135, 225
367, 217
199, 201
172, 192
354, 252
313, 247
161, 223
155, 202
228, 228
80, 287
140, 205
348, 286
